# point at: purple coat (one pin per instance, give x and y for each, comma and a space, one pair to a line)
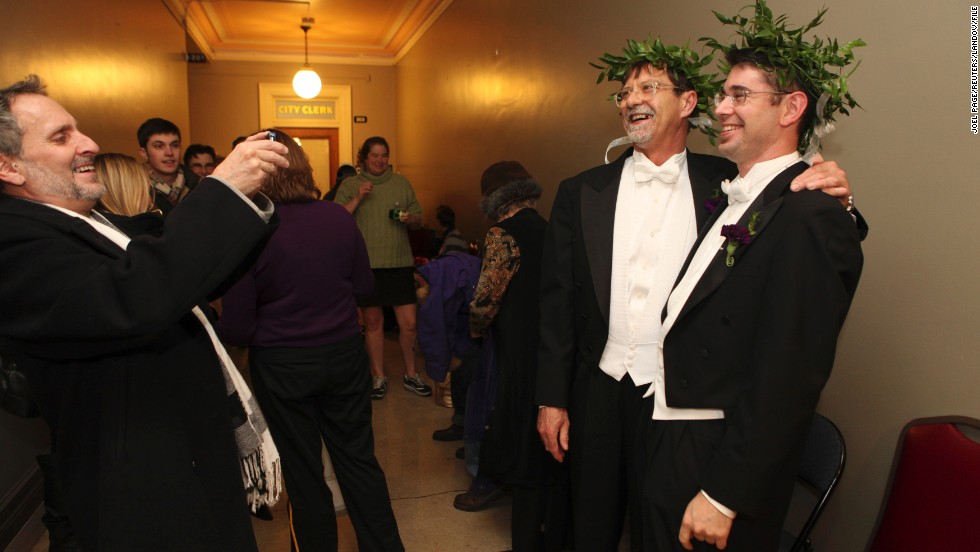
300, 292
443, 319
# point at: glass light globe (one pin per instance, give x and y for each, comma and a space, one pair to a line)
307, 83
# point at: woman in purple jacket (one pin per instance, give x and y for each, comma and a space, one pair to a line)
296, 311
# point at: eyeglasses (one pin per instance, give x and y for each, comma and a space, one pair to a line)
739, 97
645, 92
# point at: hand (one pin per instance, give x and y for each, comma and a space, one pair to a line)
408, 218
248, 165
365, 190
705, 523
553, 428
454, 363
422, 291
825, 176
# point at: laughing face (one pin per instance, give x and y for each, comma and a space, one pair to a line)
658, 122
55, 164
749, 131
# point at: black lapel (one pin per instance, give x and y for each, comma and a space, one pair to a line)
598, 206
697, 243
150, 223
65, 223
767, 204
706, 174
94, 238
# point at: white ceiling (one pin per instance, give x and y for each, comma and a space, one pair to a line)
379, 32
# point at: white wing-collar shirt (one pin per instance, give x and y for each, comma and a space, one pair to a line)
741, 193
654, 229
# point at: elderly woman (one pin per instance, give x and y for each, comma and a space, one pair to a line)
296, 310
506, 302
384, 205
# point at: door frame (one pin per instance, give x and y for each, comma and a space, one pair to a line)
337, 96
331, 134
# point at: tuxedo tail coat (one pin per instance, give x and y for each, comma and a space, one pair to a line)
757, 339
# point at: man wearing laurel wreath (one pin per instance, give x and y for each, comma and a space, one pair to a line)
750, 329
617, 239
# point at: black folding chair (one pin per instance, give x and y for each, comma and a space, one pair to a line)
821, 467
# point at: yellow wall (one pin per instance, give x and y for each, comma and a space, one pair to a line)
224, 99
113, 64
503, 80
507, 79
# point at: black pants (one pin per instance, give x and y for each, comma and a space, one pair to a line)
61, 536
323, 392
459, 384
677, 453
605, 458
541, 516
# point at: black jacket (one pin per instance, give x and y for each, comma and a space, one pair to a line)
125, 375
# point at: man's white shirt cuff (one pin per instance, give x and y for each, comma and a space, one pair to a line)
729, 513
260, 203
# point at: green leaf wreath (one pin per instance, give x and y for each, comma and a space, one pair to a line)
677, 60
794, 58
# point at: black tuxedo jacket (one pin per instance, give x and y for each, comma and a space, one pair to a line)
577, 269
125, 375
757, 339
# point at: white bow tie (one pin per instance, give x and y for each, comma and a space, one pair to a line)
737, 190
647, 172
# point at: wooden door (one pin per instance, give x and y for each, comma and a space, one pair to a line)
322, 147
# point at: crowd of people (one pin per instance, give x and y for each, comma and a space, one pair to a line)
655, 351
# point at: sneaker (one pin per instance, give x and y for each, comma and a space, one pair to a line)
379, 386
417, 386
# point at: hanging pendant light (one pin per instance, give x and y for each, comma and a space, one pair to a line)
306, 83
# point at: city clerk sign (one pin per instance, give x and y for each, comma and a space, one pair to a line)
293, 109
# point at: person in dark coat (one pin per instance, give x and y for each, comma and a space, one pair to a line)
506, 302
107, 325
617, 237
750, 328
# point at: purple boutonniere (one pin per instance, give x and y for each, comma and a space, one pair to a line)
738, 235
714, 200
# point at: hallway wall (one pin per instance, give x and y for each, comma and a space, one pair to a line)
111, 63
504, 79
224, 99
496, 80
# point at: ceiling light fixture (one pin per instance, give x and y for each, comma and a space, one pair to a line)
306, 83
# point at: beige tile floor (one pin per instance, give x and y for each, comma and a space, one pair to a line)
423, 477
